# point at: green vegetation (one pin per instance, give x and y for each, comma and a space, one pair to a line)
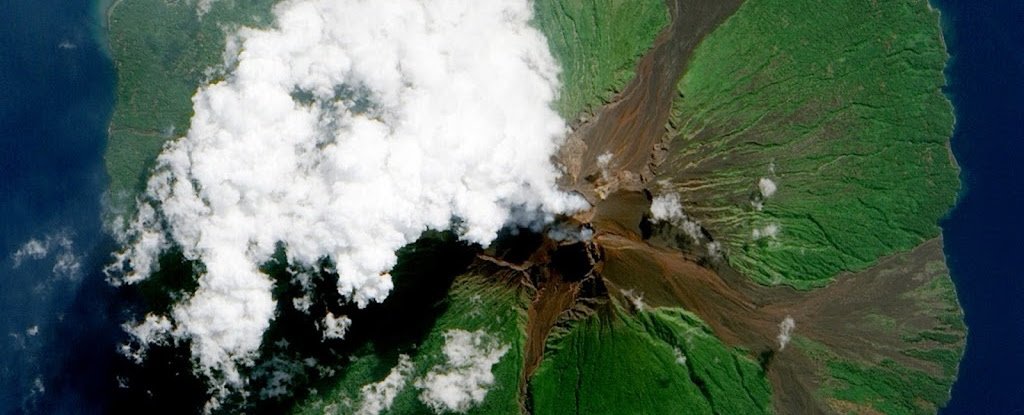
887, 386
163, 51
943, 344
658, 362
598, 43
911, 375
840, 104
473, 303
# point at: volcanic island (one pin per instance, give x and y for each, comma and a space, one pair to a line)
765, 180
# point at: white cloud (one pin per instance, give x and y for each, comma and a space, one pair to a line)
344, 132
33, 249
152, 330
691, 229
604, 162
303, 303
715, 250
680, 357
378, 397
636, 298
38, 388
668, 208
767, 187
785, 330
334, 327
305, 281
462, 381
144, 240
32, 331
203, 7
67, 263
770, 230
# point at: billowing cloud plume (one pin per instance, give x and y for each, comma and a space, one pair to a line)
785, 331
463, 380
343, 133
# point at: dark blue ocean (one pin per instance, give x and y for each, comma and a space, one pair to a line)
56, 95
985, 232
59, 320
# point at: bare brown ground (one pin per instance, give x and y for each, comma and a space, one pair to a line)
630, 128
634, 122
553, 298
842, 316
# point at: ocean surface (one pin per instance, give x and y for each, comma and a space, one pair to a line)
984, 234
56, 95
59, 324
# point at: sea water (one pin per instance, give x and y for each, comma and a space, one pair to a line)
984, 234
57, 336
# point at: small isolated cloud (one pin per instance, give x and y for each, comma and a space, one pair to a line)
767, 187
462, 381
604, 162
668, 208
305, 282
203, 7
378, 397
715, 250
770, 230
343, 133
38, 386
33, 249
334, 327
785, 329
32, 331
635, 298
680, 357
67, 263
31, 400
303, 303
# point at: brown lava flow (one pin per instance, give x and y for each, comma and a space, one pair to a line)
570, 280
